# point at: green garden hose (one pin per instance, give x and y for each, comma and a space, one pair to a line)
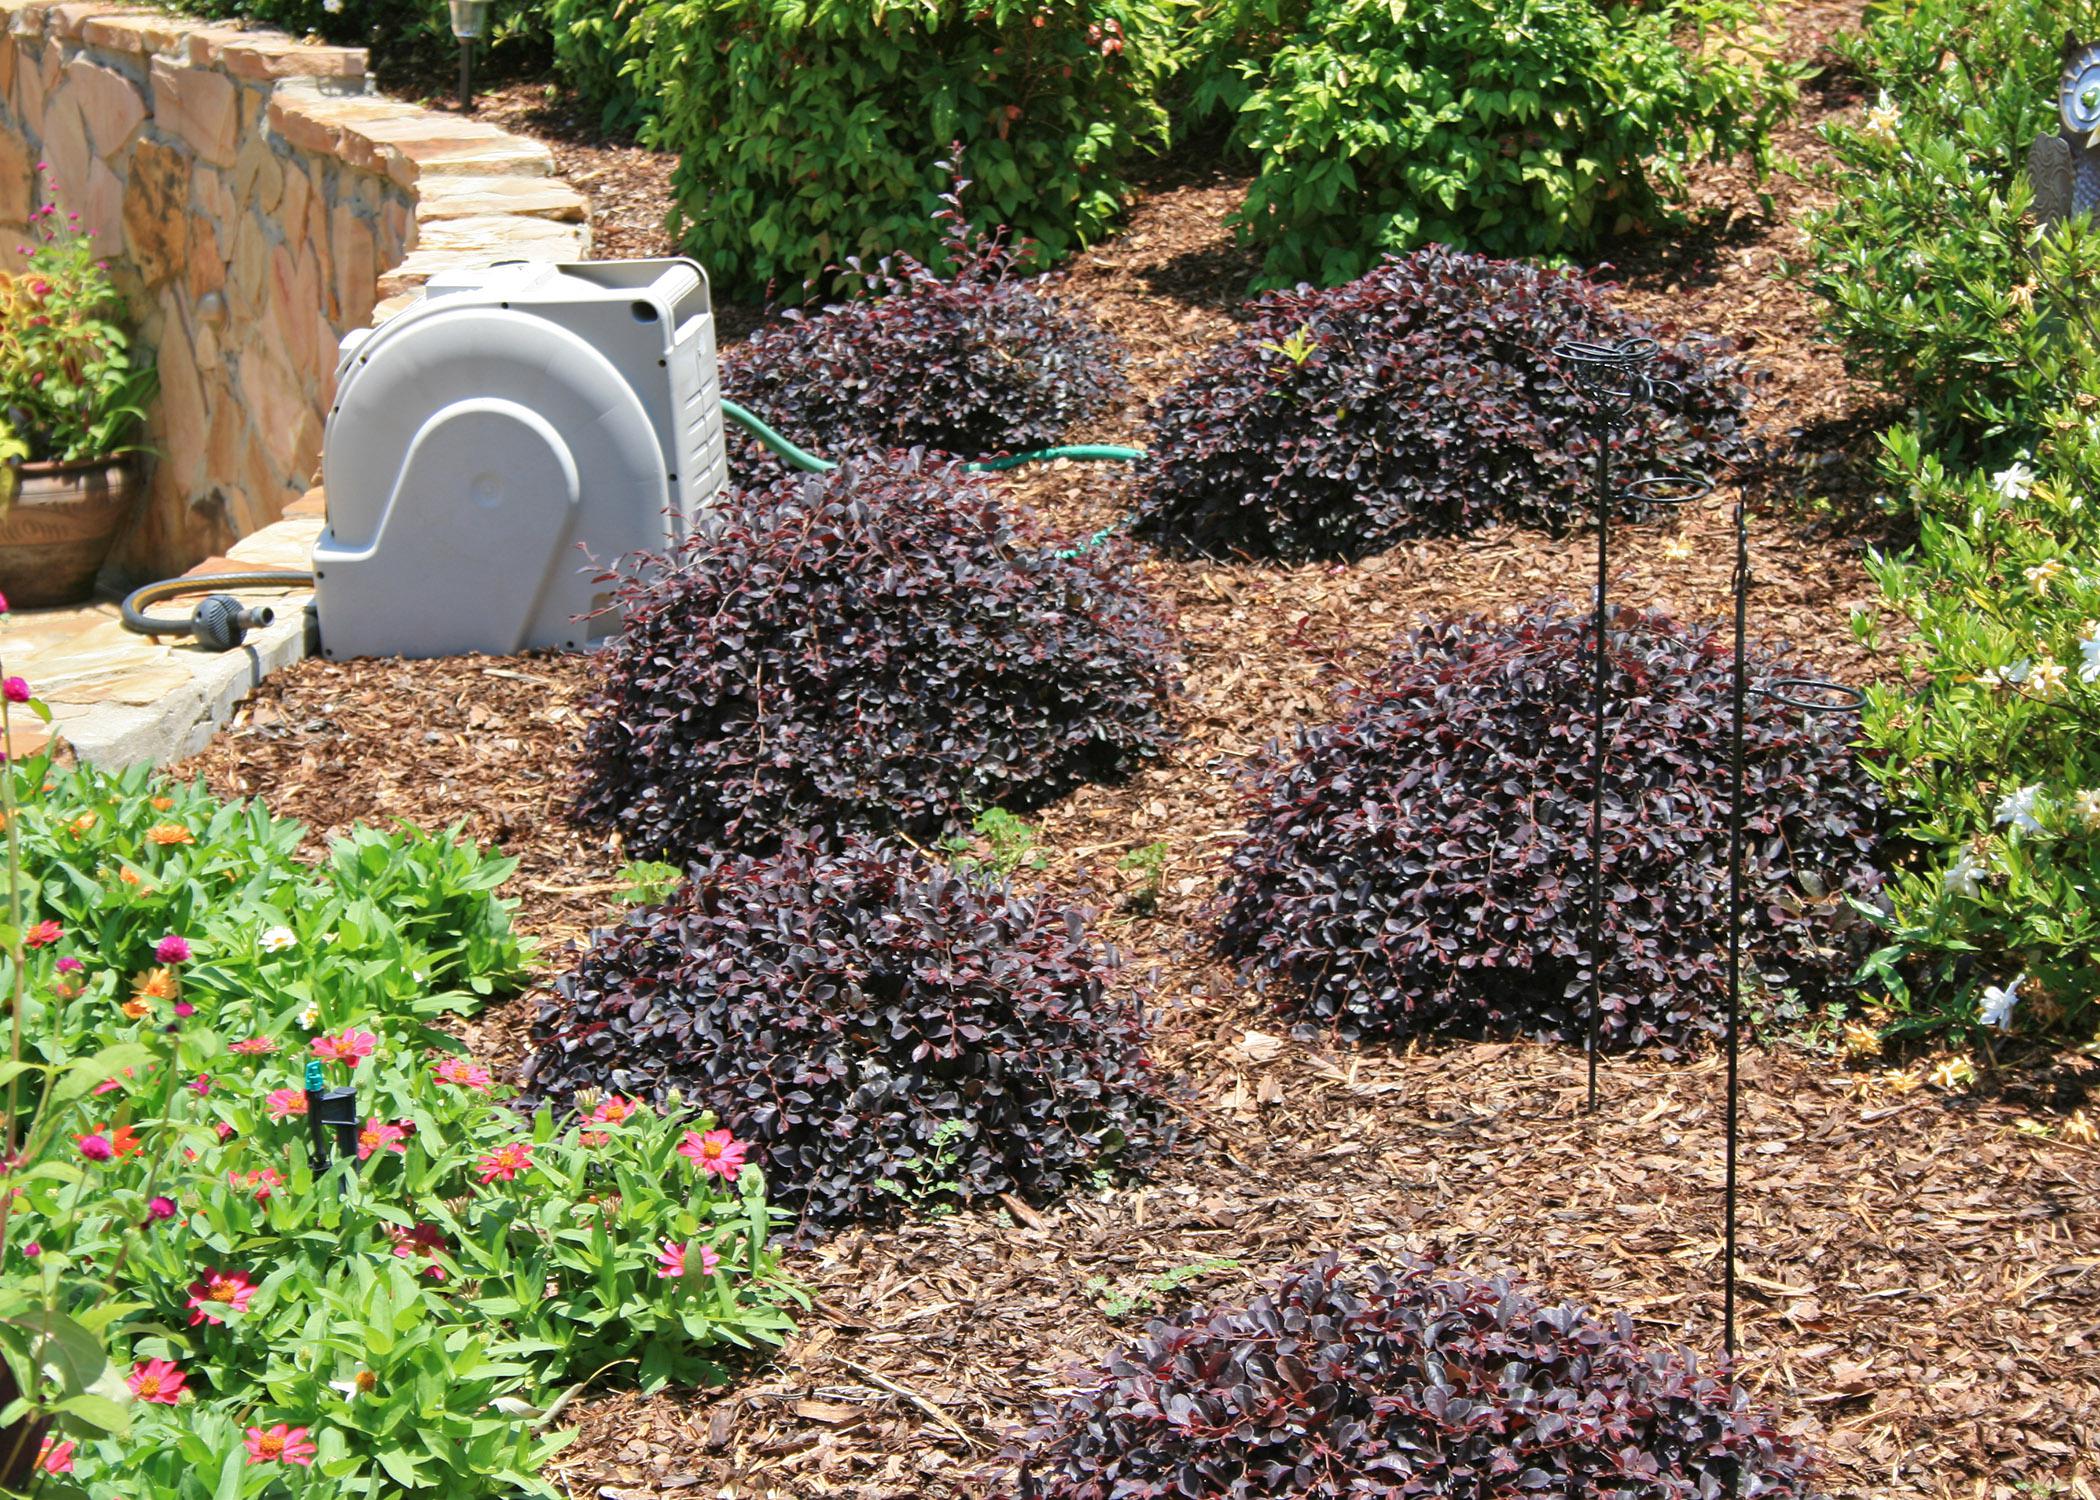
802, 459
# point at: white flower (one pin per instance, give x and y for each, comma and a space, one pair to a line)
2086, 805
1881, 120
1998, 1004
2089, 648
2047, 677
2010, 675
308, 1016
2013, 483
333, 7
2044, 573
2017, 808
278, 939
1965, 877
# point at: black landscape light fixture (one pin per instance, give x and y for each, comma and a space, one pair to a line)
329, 1111
469, 19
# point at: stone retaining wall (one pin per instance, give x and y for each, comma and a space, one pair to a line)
257, 202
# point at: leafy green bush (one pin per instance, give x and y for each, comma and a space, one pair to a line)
1928, 273
807, 130
1991, 763
1218, 54
398, 1324
1535, 127
597, 46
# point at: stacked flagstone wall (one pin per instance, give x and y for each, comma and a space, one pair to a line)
256, 202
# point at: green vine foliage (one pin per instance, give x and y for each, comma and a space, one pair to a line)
1924, 263
808, 130
1516, 127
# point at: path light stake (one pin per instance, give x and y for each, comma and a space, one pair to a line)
469, 17
1614, 378
330, 1110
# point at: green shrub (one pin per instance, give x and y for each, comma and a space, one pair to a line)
1990, 761
598, 45
808, 131
401, 1329
1526, 128
1927, 271
1218, 54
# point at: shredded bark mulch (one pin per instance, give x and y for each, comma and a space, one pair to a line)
1919, 1267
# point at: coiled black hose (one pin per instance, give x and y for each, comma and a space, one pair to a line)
218, 623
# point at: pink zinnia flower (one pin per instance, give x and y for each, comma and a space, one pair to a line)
160, 1208
612, 1111
156, 1380
95, 1146
225, 1130
172, 949
717, 1153
262, 1181
282, 1104
184, 1009
201, 1084
16, 688
218, 1291
378, 1135
56, 1458
464, 1072
279, 1444
33, 1249
254, 1046
70, 965
672, 1262
43, 935
425, 1239
506, 1162
350, 1046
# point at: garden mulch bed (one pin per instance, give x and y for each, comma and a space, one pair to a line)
1921, 1265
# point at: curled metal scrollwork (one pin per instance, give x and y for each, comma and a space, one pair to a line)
1812, 695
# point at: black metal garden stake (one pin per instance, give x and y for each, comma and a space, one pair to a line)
1614, 378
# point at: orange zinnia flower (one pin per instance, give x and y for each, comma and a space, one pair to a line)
162, 804
82, 824
137, 1009
170, 833
129, 877
156, 984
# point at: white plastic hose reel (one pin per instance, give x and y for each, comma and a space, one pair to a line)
497, 444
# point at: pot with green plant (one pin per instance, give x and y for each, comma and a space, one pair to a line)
72, 395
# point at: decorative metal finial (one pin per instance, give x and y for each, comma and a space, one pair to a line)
2064, 169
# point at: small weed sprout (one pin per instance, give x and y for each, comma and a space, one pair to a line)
932, 1176
1148, 1295
1149, 864
1009, 845
648, 882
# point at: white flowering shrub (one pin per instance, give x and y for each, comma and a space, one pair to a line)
1933, 284
1990, 754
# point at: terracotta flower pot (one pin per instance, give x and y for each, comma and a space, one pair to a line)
59, 525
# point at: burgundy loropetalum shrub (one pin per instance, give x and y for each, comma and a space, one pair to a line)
882, 1028
1423, 864
1418, 399
1362, 1383
983, 359
874, 648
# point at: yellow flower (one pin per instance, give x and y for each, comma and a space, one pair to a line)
2080, 1129
166, 834
1953, 1073
1861, 1042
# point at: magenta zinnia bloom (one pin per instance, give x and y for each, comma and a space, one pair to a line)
95, 1146
218, 1291
505, 1162
56, 1458
464, 1072
17, 690
350, 1046
70, 965
160, 1208
43, 935
378, 1135
717, 1153
670, 1260
279, 1444
172, 949
156, 1380
254, 1046
426, 1240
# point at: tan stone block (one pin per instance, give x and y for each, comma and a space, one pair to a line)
313, 505
199, 108
102, 211
258, 176
156, 219
473, 197
204, 266
503, 237
10, 57
315, 232
133, 35
268, 55
356, 269
251, 264
273, 393
305, 122
66, 146
397, 232
31, 92
183, 424
295, 304
204, 342
291, 208
287, 542
212, 193
17, 179
67, 20
227, 441
109, 103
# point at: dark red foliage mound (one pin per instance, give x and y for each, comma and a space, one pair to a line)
984, 361
1417, 399
1423, 865
884, 1029
874, 648
1370, 1384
